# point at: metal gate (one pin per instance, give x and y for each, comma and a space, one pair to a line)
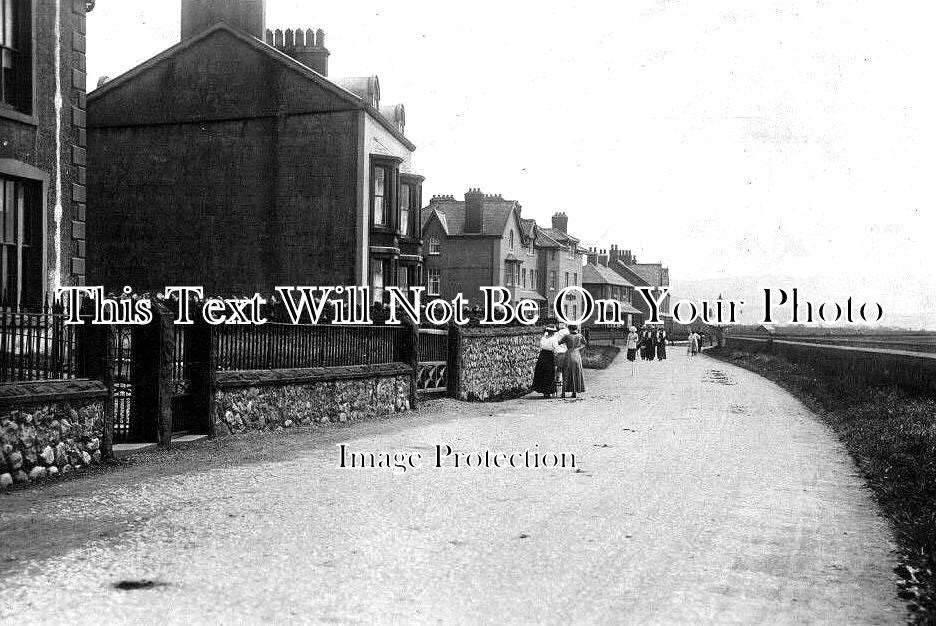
125, 430
184, 419
432, 371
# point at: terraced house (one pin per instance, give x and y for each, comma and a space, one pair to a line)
233, 160
478, 242
42, 149
559, 265
602, 283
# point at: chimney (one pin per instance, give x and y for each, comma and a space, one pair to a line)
592, 256
305, 45
627, 258
613, 253
560, 222
247, 15
603, 258
474, 210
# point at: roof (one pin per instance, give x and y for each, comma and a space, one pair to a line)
600, 275
451, 213
349, 96
528, 227
624, 270
529, 294
650, 272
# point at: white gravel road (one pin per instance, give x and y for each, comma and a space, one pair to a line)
703, 494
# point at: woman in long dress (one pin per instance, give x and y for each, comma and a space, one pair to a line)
693, 343
661, 345
544, 376
573, 374
560, 350
632, 340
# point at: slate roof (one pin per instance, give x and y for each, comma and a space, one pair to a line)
650, 272
600, 275
452, 214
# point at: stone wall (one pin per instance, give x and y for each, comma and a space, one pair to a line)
274, 399
495, 363
49, 428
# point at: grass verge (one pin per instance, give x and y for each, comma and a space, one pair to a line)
891, 435
599, 357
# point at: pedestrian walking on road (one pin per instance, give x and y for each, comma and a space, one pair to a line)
544, 376
573, 374
661, 345
632, 340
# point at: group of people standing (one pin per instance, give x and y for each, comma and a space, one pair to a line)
559, 365
650, 342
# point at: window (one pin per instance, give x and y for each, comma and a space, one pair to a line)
552, 279
20, 250
435, 282
403, 273
567, 278
575, 278
405, 194
15, 62
379, 203
523, 274
383, 191
572, 251
511, 240
377, 279
530, 248
435, 246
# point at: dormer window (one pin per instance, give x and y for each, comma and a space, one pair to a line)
511, 240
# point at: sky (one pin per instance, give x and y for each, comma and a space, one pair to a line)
723, 138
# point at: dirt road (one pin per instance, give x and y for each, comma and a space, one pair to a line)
701, 493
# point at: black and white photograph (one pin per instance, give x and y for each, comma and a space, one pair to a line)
467, 313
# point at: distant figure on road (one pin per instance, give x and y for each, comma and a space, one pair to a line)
544, 376
661, 345
632, 340
693, 348
649, 346
573, 375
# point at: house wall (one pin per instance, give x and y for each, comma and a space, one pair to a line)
466, 264
237, 206
561, 264
30, 140
221, 166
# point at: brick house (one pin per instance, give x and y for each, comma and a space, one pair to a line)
559, 265
42, 151
643, 275
479, 242
603, 283
232, 160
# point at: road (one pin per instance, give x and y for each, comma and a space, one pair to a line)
701, 494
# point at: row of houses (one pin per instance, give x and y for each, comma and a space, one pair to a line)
235, 161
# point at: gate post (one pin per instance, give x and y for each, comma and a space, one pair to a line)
96, 353
411, 356
454, 360
150, 373
200, 354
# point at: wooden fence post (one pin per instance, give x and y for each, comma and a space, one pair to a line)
200, 354
150, 372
